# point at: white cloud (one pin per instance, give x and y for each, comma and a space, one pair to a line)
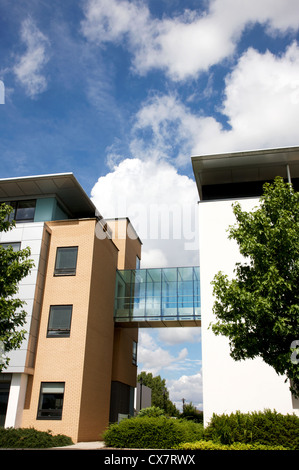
261, 106
187, 387
172, 336
161, 204
153, 358
260, 103
29, 66
189, 43
262, 96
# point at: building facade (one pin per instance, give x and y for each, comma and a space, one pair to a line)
249, 385
76, 370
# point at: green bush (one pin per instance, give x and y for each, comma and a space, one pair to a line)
151, 433
151, 412
266, 428
31, 438
210, 445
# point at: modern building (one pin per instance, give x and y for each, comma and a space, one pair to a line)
221, 180
76, 370
86, 297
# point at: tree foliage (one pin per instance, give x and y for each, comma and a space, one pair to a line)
258, 310
160, 394
14, 266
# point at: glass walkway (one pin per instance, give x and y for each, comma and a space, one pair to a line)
157, 297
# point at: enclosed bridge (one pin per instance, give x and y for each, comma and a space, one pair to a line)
157, 297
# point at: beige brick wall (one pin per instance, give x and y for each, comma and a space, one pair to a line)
63, 359
92, 355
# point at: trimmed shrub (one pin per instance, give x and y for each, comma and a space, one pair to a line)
266, 428
210, 445
151, 433
22, 438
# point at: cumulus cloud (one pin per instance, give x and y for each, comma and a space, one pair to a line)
262, 96
260, 105
153, 358
187, 387
161, 204
189, 43
28, 68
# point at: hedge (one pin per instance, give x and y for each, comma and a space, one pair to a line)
151, 433
266, 428
22, 438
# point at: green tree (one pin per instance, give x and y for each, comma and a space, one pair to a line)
258, 310
160, 394
14, 266
190, 412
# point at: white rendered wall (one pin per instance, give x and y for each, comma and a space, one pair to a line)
30, 290
228, 385
29, 234
16, 400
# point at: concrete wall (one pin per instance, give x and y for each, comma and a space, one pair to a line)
228, 385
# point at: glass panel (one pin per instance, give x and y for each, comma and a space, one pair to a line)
51, 400
16, 246
138, 293
157, 294
4, 393
153, 293
25, 211
66, 260
11, 216
60, 320
134, 358
169, 293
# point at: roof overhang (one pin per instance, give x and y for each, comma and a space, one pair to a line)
64, 186
238, 167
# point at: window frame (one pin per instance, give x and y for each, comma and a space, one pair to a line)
14, 245
67, 331
65, 271
14, 214
56, 412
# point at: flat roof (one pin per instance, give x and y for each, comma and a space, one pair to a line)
237, 167
64, 186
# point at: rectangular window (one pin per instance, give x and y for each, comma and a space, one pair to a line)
16, 246
50, 400
59, 324
66, 261
134, 357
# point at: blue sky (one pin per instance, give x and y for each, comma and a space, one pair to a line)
122, 93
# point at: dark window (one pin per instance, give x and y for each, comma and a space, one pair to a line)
23, 211
50, 400
134, 358
60, 321
4, 394
66, 261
